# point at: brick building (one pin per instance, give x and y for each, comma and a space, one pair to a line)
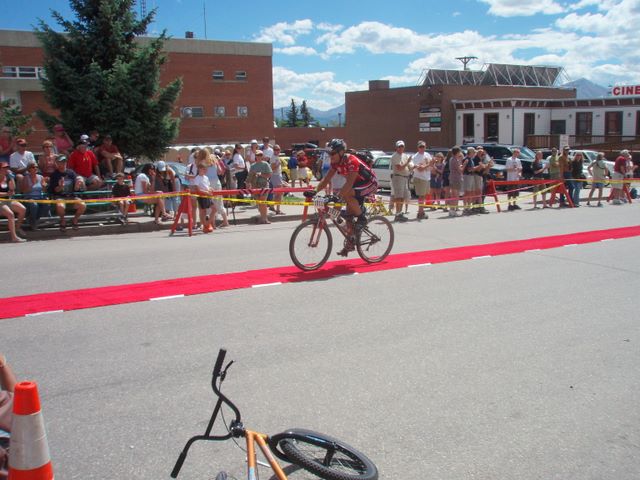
227, 94
376, 118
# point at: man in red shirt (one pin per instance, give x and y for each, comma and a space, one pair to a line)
85, 164
109, 156
619, 171
360, 182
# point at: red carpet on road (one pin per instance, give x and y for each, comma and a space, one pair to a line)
138, 292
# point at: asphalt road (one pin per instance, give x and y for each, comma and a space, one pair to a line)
520, 366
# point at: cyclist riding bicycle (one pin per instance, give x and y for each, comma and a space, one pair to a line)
360, 182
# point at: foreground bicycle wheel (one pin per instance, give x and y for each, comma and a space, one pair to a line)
375, 241
323, 455
310, 245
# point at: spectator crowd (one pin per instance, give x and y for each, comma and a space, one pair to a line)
455, 181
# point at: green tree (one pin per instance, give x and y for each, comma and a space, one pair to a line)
11, 116
292, 115
99, 76
305, 116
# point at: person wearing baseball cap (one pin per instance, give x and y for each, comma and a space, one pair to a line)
62, 185
401, 171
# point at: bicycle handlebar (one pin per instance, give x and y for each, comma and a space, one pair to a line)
219, 361
218, 372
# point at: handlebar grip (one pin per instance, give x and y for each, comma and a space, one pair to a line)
178, 465
220, 360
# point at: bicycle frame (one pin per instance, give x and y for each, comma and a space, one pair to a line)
332, 213
337, 454
236, 429
261, 439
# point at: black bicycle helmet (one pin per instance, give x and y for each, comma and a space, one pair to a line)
337, 145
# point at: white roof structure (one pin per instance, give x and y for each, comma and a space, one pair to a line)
495, 74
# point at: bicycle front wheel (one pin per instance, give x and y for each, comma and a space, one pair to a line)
375, 240
323, 455
310, 245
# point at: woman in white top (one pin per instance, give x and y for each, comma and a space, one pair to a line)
238, 166
215, 169
144, 186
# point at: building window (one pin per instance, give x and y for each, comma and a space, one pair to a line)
218, 75
491, 127
613, 123
558, 127
241, 75
192, 112
468, 125
219, 111
638, 123
243, 111
529, 126
22, 72
584, 121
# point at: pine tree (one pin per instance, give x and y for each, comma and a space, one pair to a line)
292, 115
305, 116
11, 116
98, 76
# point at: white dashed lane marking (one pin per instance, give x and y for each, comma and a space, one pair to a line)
168, 297
260, 285
43, 313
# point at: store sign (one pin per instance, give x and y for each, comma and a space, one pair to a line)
625, 90
431, 119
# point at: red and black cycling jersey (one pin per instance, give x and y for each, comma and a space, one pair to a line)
350, 163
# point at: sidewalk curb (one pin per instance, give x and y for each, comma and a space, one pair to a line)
137, 224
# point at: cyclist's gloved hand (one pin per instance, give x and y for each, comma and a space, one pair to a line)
333, 199
309, 194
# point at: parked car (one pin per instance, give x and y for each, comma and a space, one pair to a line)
382, 168
501, 152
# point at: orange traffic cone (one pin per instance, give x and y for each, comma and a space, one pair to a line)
28, 452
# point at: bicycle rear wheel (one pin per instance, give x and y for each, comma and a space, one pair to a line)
310, 245
375, 240
323, 455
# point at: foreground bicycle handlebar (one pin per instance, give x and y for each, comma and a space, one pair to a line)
317, 453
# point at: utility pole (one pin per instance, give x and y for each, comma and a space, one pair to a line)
143, 10
204, 16
465, 61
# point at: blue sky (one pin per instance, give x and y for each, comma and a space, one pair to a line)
322, 49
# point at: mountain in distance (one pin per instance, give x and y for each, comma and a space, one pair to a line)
324, 118
587, 89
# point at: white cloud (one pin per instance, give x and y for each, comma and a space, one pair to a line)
583, 4
285, 33
522, 8
375, 37
307, 51
598, 43
320, 89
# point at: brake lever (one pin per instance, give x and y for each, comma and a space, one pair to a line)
223, 374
